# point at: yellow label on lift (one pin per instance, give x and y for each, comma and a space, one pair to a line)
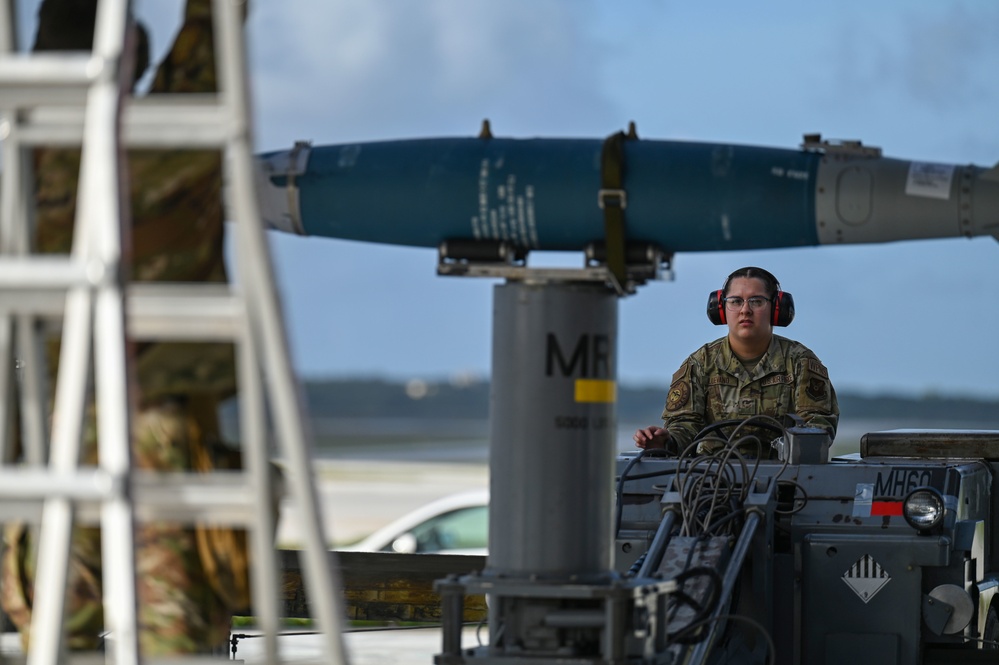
596, 390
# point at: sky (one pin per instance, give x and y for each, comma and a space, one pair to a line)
916, 78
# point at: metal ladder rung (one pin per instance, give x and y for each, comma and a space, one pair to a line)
156, 121
45, 273
39, 70
49, 303
177, 312
40, 483
42, 78
100, 659
195, 312
88, 513
220, 498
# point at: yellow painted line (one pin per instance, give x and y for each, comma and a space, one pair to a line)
596, 390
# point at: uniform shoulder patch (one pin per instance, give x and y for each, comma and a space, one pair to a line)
815, 366
678, 396
680, 373
817, 389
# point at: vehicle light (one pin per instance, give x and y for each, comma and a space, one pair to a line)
923, 508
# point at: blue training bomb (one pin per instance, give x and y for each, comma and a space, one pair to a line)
549, 194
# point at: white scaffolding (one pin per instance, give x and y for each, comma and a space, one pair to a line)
82, 99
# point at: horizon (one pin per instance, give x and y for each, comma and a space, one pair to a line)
465, 381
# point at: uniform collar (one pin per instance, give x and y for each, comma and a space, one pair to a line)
772, 360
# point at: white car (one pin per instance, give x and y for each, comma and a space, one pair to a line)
454, 524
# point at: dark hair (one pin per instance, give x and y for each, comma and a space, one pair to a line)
769, 281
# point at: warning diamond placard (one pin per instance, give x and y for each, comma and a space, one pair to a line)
866, 577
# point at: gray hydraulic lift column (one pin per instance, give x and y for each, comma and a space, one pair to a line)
552, 431
549, 577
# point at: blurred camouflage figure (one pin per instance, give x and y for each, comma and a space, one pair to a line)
190, 579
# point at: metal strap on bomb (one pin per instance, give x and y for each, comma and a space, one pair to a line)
613, 200
300, 150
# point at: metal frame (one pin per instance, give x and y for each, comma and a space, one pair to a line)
82, 99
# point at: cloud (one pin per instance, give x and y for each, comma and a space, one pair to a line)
932, 58
939, 58
378, 69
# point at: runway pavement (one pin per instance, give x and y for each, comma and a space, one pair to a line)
407, 646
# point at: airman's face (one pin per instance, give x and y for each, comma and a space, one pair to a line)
752, 326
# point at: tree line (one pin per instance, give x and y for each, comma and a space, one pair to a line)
469, 399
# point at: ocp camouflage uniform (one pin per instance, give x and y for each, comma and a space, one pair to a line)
713, 385
189, 580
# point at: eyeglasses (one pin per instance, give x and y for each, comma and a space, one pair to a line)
735, 303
